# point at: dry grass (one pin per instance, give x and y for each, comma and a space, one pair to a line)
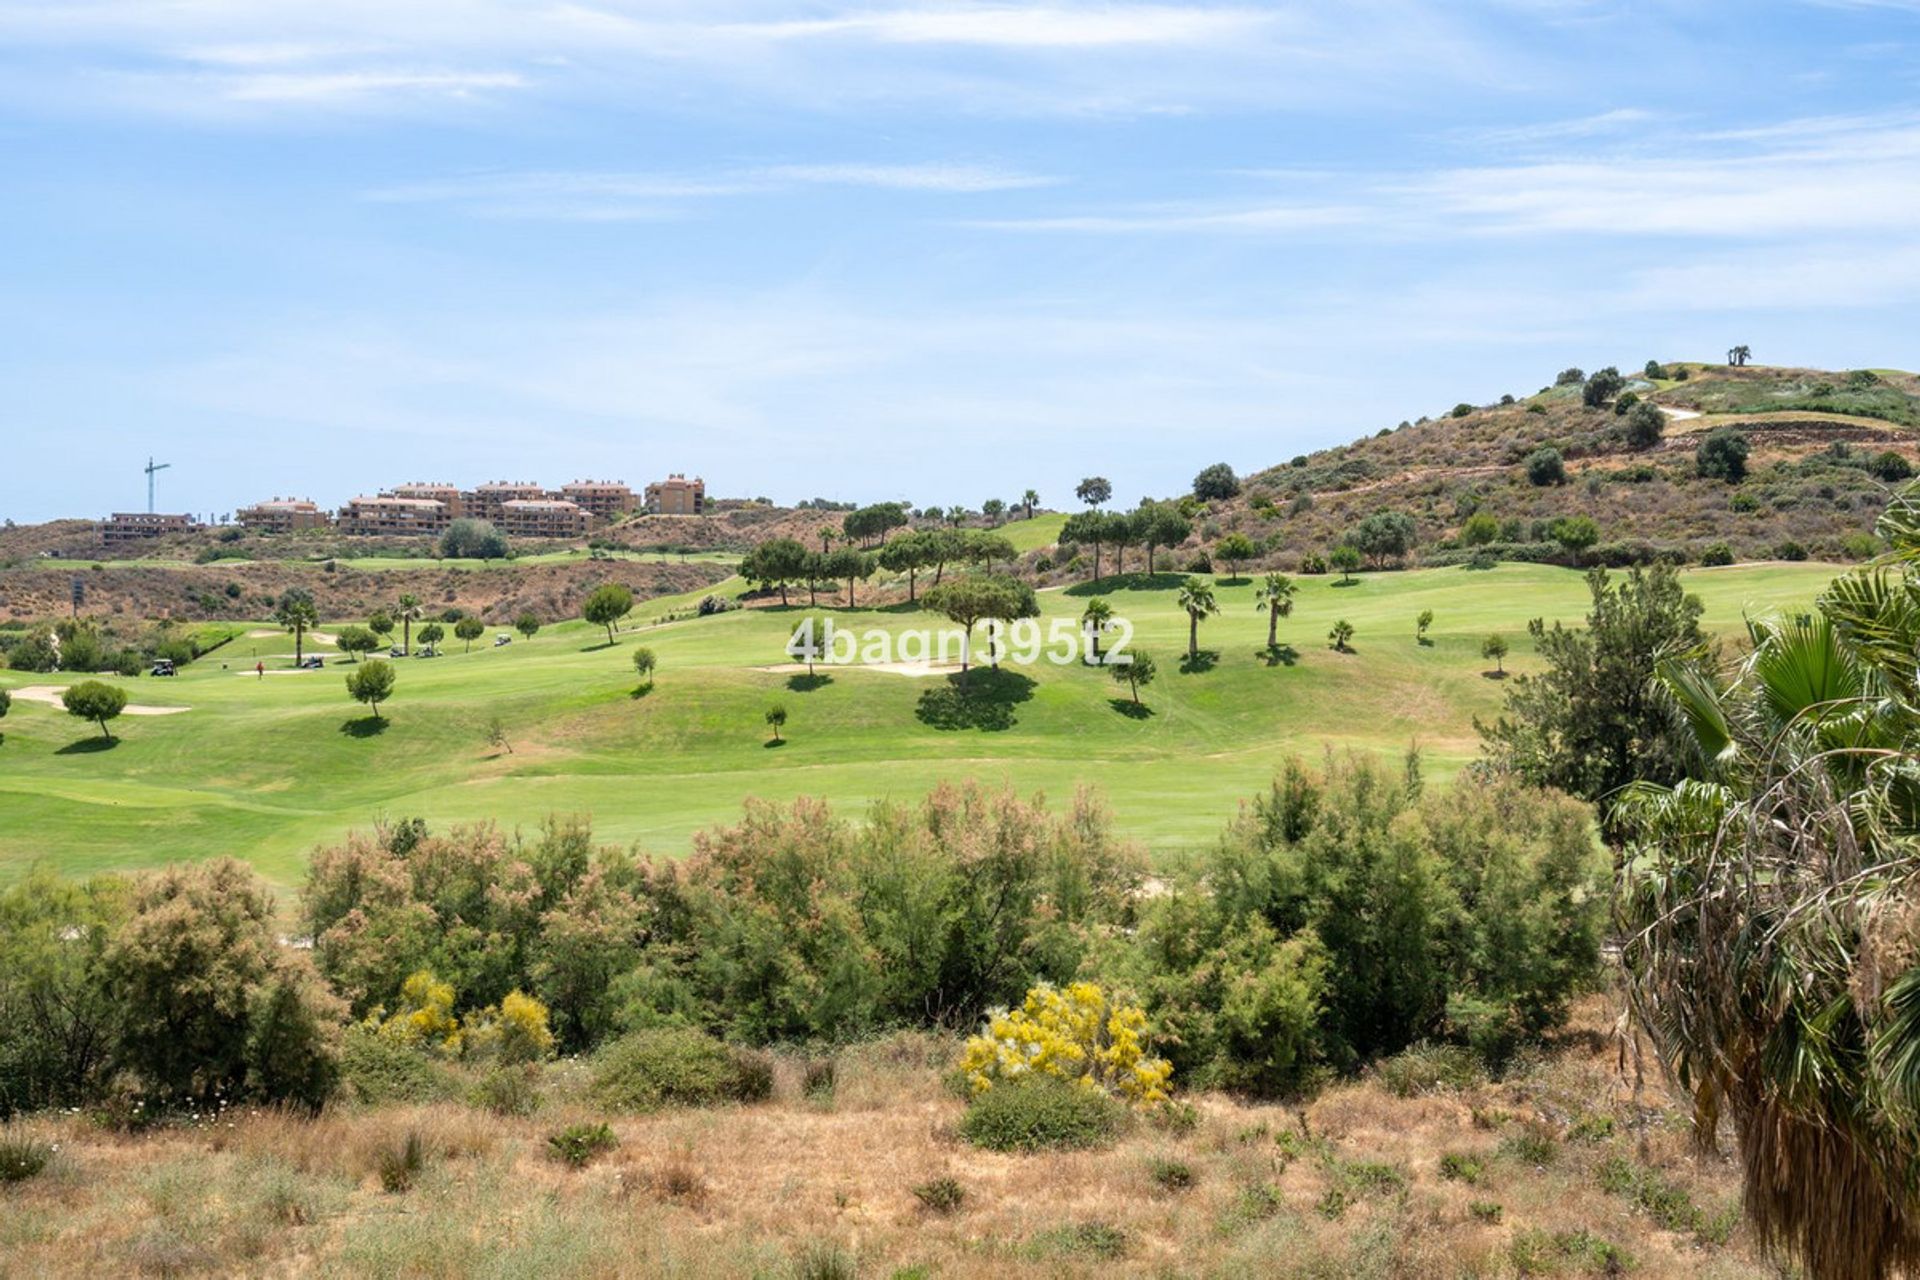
1349, 1185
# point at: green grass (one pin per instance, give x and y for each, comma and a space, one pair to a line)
265, 768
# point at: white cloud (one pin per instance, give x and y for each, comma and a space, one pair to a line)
1033, 27
358, 86
954, 178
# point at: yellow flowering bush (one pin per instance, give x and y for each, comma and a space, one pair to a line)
516, 1031
1073, 1033
425, 1018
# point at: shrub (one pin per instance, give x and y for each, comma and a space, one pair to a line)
941, 1195
1042, 1113
22, 1158
1457, 1166
1313, 564
509, 1091
515, 1032
1095, 1238
1790, 550
60, 1021
822, 1260
1072, 1034
1529, 1146
1545, 467
1486, 1211
375, 1069
1743, 503
1718, 553
1172, 1175
1429, 1068
399, 1167
676, 1066
577, 1145
1890, 466
1860, 546
1722, 456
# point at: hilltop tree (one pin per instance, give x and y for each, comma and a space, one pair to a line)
1546, 467
295, 612
776, 562
1236, 549
1095, 619
1567, 377
1722, 456
1384, 536
874, 522
356, 640
1345, 558
983, 548
1095, 491
993, 509
1275, 595
372, 682
1196, 599
1030, 499
971, 600
776, 717
1738, 356
470, 539
527, 625
1137, 672
1216, 482
432, 634
1494, 648
96, 701
1603, 386
469, 629
1655, 371
607, 604
644, 664
1645, 425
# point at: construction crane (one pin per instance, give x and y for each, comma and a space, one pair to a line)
152, 467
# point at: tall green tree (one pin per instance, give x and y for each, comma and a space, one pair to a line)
294, 611
776, 563
469, 629
1137, 672
1161, 525
371, 683
1595, 720
94, 700
977, 598
408, 609
905, 554
1275, 595
1030, 499
1196, 599
1095, 619
606, 604
1236, 549
1095, 491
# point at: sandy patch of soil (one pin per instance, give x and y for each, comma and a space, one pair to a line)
49, 695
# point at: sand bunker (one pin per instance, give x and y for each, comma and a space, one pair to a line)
264, 633
49, 695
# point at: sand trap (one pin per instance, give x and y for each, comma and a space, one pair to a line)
1680, 415
891, 668
49, 694
264, 633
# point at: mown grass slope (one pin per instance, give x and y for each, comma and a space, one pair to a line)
265, 768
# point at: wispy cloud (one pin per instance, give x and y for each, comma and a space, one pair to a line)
590, 196
1032, 27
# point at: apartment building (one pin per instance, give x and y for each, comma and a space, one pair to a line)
282, 515
447, 495
393, 517
604, 500
131, 526
542, 518
485, 501
677, 496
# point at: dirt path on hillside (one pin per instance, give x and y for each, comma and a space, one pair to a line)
49, 695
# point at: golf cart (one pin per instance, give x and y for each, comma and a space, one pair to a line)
162, 667
427, 651
312, 662
502, 638
396, 652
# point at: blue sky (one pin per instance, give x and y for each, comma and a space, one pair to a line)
902, 248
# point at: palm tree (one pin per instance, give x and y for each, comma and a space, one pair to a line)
1030, 499
1196, 597
407, 609
1095, 619
295, 611
1275, 595
1769, 906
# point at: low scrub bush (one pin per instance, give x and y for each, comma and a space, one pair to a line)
1457, 1166
1172, 1175
941, 1195
376, 1070
1071, 1033
22, 1158
677, 1066
1042, 1113
1429, 1068
1095, 1239
400, 1166
509, 1091
577, 1145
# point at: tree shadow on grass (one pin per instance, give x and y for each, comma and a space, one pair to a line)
983, 698
364, 726
1350, 582
641, 690
1127, 582
1130, 709
596, 648
771, 743
1279, 655
1495, 675
1199, 663
88, 746
809, 682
